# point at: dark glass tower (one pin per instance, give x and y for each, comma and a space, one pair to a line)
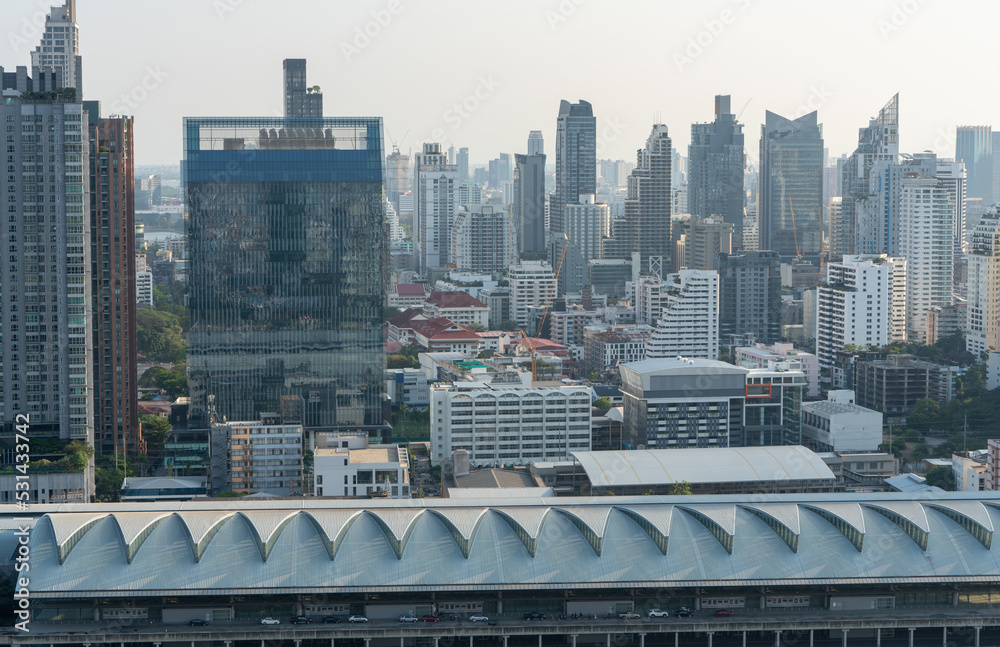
287, 236
750, 295
576, 159
791, 185
529, 205
716, 167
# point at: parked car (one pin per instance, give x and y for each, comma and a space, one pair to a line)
406, 618
357, 619
534, 615
300, 620
198, 622
656, 613
630, 615
723, 612
683, 612
270, 621
331, 620
478, 618
430, 618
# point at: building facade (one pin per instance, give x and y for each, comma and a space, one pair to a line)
529, 204
435, 204
715, 169
532, 283
500, 424
894, 385
301, 101
481, 239
982, 329
837, 424
257, 456
60, 47
286, 295
576, 159
750, 295
689, 322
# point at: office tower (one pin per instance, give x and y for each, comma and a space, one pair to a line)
931, 206
435, 205
750, 295
587, 224
576, 159
532, 283
397, 177
982, 331
536, 144
60, 48
45, 287
841, 239
645, 227
113, 283
879, 142
565, 255
300, 100
462, 162
528, 208
451, 154
689, 321
974, 146
856, 305
791, 185
715, 169
705, 239
288, 269
481, 239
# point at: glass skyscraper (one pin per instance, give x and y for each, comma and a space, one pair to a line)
974, 146
576, 159
288, 261
715, 169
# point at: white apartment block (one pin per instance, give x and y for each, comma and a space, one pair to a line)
927, 213
356, 469
854, 305
262, 456
761, 356
144, 288
689, 322
436, 202
501, 424
839, 425
532, 283
482, 239
650, 299
586, 224
982, 330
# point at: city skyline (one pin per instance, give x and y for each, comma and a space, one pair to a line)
700, 51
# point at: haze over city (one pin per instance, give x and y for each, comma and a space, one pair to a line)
636, 62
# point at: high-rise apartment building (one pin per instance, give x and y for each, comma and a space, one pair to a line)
750, 295
60, 47
974, 146
462, 162
397, 177
982, 331
288, 269
529, 204
791, 185
576, 159
300, 100
481, 239
587, 224
45, 287
715, 169
689, 322
705, 239
532, 283
435, 205
879, 142
113, 282
855, 306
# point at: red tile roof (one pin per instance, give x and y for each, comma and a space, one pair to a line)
410, 289
404, 318
454, 299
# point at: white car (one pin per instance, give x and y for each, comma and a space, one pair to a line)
406, 618
357, 619
270, 621
478, 618
656, 613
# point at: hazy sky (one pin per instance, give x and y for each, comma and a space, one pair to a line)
482, 74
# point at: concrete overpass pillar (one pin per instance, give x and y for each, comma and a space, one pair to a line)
642, 640
911, 630
744, 638
944, 636
977, 636
709, 639
540, 641
810, 638
368, 642
677, 639
298, 643
435, 641
878, 637
470, 642
843, 640
572, 641
777, 638
505, 641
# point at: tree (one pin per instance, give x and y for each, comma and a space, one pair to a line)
679, 488
941, 477
508, 326
923, 413
230, 493
155, 431
401, 361
602, 403
308, 461
78, 454
594, 376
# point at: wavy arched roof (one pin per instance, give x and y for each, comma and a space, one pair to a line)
315, 544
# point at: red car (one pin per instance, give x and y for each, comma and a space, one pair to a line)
723, 612
431, 619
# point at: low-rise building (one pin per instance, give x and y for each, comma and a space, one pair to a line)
257, 456
354, 468
47, 487
407, 386
457, 306
164, 488
502, 424
894, 385
605, 350
408, 295
992, 464
969, 469
144, 289
758, 355
839, 425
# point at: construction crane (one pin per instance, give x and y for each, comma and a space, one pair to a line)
532, 342
795, 233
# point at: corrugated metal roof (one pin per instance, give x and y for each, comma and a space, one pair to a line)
702, 465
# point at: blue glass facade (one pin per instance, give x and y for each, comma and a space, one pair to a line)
288, 267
